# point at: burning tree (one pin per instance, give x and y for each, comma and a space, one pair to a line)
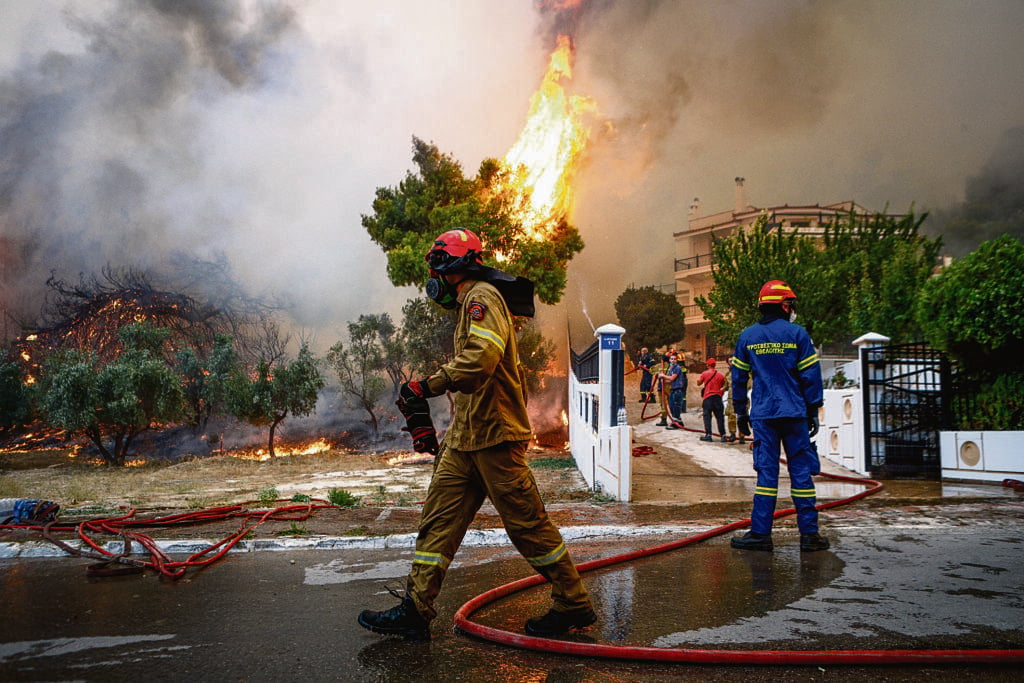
519, 206
275, 391
111, 402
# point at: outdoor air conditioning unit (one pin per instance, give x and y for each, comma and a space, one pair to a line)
970, 450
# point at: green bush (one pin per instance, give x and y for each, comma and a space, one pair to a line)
342, 498
268, 497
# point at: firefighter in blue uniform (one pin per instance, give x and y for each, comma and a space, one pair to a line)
783, 410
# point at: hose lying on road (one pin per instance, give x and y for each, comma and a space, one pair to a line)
711, 656
112, 564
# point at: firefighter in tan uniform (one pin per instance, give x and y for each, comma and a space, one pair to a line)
483, 453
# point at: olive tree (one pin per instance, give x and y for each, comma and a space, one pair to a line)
275, 390
652, 318
111, 402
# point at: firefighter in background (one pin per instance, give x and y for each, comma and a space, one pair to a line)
783, 409
675, 377
483, 453
645, 363
730, 413
663, 390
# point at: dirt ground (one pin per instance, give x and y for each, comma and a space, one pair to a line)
389, 487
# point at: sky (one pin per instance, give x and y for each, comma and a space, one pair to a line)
135, 132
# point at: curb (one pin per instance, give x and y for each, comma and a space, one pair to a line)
474, 537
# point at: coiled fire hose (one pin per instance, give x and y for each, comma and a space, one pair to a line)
711, 656
111, 564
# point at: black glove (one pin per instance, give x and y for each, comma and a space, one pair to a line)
812, 422
743, 423
412, 402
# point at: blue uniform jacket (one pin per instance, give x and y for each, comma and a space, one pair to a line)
787, 376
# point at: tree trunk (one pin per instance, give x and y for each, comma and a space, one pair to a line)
97, 438
273, 428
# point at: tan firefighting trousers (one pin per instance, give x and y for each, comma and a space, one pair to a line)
460, 482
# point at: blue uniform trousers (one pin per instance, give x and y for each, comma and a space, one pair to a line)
677, 404
802, 461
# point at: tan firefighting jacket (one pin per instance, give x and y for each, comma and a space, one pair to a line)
487, 381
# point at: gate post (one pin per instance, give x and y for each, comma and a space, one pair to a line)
870, 379
611, 397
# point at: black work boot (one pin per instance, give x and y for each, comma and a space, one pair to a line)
811, 542
752, 541
556, 623
402, 620
663, 423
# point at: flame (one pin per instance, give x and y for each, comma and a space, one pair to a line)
411, 459
543, 160
565, 418
262, 454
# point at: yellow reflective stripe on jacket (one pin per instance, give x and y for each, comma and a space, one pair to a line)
807, 362
802, 493
490, 336
740, 364
766, 491
433, 559
551, 558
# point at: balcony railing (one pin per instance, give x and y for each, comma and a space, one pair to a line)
699, 261
692, 310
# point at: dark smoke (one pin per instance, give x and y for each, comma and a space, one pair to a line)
993, 204
891, 105
94, 146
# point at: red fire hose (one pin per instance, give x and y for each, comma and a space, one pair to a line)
159, 561
711, 656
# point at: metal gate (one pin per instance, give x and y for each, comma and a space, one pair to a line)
907, 389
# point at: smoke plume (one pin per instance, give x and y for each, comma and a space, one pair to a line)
132, 131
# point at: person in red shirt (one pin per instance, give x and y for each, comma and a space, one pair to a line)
713, 383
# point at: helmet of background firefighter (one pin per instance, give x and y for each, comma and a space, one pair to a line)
453, 251
777, 292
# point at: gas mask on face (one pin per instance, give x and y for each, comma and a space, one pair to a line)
442, 293
790, 310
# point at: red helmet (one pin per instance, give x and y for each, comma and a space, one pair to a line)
775, 292
455, 250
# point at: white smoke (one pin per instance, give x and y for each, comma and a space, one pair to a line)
130, 130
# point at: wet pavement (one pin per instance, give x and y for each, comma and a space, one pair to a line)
893, 579
921, 565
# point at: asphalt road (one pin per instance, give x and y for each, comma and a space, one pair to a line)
916, 579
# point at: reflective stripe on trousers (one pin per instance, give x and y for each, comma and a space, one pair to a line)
461, 481
802, 462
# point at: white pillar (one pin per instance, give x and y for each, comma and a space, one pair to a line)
610, 337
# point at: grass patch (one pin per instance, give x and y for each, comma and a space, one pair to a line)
342, 498
294, 530
268, 497
302, 498
553, 463
357, 531
10, 488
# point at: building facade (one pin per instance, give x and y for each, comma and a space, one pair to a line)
695, 253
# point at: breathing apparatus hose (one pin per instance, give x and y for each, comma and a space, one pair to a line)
712, 656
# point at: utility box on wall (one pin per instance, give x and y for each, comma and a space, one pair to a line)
981, 456
841, 436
